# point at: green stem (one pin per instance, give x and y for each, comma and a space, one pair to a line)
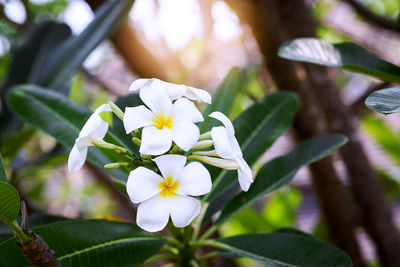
118, 149
194, 263
157, 258
21, 236
210, 243
197, 223
208, 255
209, 232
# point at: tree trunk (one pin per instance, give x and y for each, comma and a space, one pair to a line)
273, 22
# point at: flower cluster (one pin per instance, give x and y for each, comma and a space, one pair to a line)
167, 176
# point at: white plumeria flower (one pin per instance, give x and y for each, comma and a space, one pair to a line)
94, 130
227, 147
164, 122
174, 91
168, 195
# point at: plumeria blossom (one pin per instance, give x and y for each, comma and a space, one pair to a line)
94, 129
169, 195
163, 121
174, 91
227, 147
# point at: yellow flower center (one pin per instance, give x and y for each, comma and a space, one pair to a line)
168, 187
161, 122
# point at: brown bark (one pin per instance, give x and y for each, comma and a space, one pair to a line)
38, 253
274, 22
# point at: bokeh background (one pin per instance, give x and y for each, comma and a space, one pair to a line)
196, 42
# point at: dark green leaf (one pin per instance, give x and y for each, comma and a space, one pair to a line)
280, 171
286, 249
223, 99
3, 175
12, 143
55, 115
90, 243
71, 54
34, 220
256, 130
348, 56
385, 101
9, 202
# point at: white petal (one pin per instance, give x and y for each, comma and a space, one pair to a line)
91, 125
194, 180
102, 130
222, 144
183, 209
137, 117
225, 121
100, 109
244, 184
197, 95
227, 164
76, 159
153, 214
174, 91
157, 99
139, 83
183, 110
185, 134
170, 165
143, 184
155, 141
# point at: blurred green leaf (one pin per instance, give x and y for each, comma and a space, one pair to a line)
383, 135
256, 130
9, 202
348, 56
280, 171
90, 243
281, 208
3, 175
62, 119
286, 249
223, 99
71, 54
12, 143
385, 101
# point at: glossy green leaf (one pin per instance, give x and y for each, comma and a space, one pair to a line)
90, 243
3, 175
34, 220
71, 54
286, 248
223, 99
348, 56
256, 130
280, 171
9, 202
385, 101
62, 119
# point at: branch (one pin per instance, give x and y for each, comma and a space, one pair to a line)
372, 17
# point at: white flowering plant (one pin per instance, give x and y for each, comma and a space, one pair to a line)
186, 172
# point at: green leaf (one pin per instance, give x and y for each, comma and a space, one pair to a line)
34, 220
3, 175
223, 99
90, 243
385, 101
12, 144
9, 202
384, 135
285, 248
71, 54
62, 119
347, 56
256, 130
280, 171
